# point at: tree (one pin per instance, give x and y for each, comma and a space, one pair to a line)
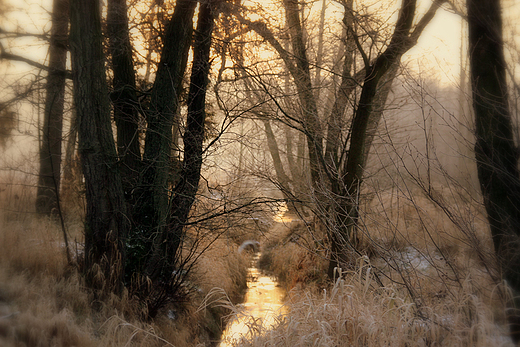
166, 246
136, 214
124, 95
403, 38
495, 150
339, 138
106, 223
49, 176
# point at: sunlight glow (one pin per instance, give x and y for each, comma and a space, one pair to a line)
262, 309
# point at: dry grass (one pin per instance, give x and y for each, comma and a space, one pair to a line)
435, 245
286, 254
43, 301
402, 218
222, 266
434, 256
435, 261
41, 310
351, 313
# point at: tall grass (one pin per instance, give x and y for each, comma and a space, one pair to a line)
43, 301
351, 313
437, 281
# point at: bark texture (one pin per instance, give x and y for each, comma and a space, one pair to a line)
167, 244
123, 95
185, 191
495, 150
105, 221
154, 189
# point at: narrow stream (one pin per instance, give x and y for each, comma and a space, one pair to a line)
263, 303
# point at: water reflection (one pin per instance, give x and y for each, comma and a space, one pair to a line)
280, 216
263, 303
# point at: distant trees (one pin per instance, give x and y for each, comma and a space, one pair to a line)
338, 133
495, 149
51, 129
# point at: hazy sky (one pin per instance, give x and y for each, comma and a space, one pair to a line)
438, 50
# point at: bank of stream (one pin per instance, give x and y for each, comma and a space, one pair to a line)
263, 304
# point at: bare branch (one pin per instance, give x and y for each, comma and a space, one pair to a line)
261, 29
14, 57
17, 34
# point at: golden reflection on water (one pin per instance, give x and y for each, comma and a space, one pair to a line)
263, 304
280, 215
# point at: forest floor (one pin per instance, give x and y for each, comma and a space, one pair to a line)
43, 301
426, 276
423, 279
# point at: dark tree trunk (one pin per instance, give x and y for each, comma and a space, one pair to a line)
384, 88
495, 151
153, 191
369, 108
50, 151
163, 261
123, 95
105, 221
195, 125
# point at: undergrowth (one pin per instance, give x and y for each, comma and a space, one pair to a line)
426, 276
354, 313
43, 300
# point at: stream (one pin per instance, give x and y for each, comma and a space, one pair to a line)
263, 303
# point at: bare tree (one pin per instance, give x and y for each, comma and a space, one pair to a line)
167, 244
106, 223
136, 215
338, 140
49, 176
495, 149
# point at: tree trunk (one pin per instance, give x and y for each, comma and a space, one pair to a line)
282, 178
495, 151
123, 96
71, 172
319, 54
105, 221
50, 151
167, 245
302, 80
346, 209
295, 162
384, 88
153, 191
348, 84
